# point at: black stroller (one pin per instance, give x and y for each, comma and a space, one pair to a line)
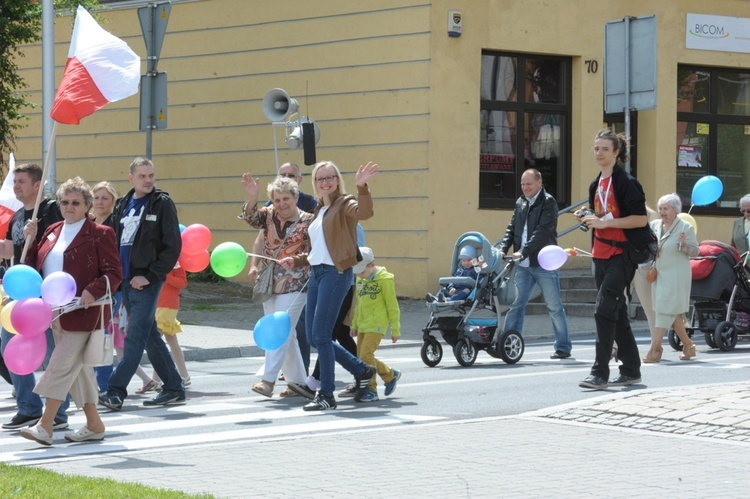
720, 296
473, 324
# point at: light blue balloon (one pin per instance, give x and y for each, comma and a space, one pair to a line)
22, 281
272, 330
707, 190
182, 228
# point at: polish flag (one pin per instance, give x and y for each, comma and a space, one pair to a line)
8, 202
100, 69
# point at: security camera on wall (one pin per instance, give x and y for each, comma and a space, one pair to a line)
301, 132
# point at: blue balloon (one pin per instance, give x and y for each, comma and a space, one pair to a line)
22, 281
182, 228
272, 330
707, 190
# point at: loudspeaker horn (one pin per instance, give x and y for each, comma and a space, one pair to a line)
277, 105
296, 136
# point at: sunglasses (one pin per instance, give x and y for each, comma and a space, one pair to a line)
288, 175
74, 203
744, 211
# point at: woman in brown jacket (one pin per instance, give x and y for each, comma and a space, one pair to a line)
333, 238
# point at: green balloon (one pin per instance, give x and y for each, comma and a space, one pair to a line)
228, 259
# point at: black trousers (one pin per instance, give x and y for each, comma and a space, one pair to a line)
613, 277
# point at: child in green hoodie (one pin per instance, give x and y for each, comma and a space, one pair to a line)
376, 309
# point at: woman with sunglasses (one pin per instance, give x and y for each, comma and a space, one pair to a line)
742, 226
88, 252
333, 253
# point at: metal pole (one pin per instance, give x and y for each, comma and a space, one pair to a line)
627, 85
151, 62
48, 95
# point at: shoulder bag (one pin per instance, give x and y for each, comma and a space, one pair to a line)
263, 288
99, 349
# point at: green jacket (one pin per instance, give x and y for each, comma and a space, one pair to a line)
377, 305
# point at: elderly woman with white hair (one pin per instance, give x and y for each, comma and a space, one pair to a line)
741, 226
670, 291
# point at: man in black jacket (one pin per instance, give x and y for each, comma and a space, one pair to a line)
148, 235
532, 227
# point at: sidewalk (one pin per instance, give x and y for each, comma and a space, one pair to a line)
202, 342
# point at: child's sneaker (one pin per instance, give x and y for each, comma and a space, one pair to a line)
369, 396
391, 385
349, 391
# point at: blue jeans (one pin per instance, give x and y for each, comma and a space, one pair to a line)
142, 334
325, 294
549, 283
28, 402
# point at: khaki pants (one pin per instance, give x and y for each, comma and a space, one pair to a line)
367, 344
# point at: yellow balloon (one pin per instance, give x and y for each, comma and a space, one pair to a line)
689, 219
5, 317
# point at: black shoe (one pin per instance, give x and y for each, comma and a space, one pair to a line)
593, 382
363, 382
320, 403
623, 380
559, 354
113, 402
19, 421
59, 424
301, 389
429, 297
166, 398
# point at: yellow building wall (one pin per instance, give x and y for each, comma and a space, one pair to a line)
385, 83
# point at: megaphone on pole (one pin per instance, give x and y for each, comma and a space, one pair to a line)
277, 105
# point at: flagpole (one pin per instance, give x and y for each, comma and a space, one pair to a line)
47, 160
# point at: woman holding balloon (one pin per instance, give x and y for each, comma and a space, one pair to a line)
88, 252
670, 291
333, 253
285, 234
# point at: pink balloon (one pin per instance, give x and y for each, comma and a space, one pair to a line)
195, 263
24, 354
31, 316
552, 257
58, 288
196, 239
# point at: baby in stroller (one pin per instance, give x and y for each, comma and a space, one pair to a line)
460, 290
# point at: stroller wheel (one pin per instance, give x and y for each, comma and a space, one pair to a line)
674, 341
432, 352
465, 352
725, 336
511, 346
709, 337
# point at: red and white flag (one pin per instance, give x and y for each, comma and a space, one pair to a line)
101, 69
8, 202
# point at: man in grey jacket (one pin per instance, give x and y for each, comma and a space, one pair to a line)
532, 227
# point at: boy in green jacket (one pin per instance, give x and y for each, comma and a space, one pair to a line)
376, 309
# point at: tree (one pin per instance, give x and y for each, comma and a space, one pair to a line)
20, 24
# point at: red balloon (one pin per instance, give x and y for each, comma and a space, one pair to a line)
196, 239
195, 263
24, 354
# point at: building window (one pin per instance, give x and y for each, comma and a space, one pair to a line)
524, 123
713, 133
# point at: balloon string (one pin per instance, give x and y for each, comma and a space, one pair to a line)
690, 209
299, 293
264, 257
583, 252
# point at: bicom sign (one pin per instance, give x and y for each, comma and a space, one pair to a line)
725, 34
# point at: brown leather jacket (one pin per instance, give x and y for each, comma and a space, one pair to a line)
340, 228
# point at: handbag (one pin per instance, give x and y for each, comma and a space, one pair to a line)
651, 273
100, 348
263, 288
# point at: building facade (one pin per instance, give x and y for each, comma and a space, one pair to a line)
453, 121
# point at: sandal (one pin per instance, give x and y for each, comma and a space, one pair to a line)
288, 392
265, 388
151, 386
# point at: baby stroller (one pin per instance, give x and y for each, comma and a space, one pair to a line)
720, 296
473, 324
